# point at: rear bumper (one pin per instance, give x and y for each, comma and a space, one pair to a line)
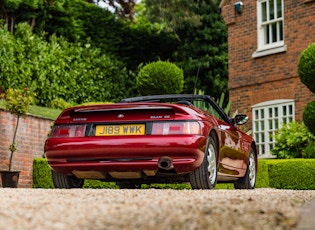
124, 154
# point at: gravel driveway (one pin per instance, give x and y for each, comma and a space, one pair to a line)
151, 209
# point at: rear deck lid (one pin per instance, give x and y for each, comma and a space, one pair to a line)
120, 112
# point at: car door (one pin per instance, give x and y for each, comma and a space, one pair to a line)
231, 159
231, 156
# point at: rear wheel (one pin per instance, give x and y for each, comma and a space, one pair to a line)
65, 181
205, 177
249, 180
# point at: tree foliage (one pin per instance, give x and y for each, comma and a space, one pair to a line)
125, 9
172, 15
18, 100
15, 11
202, 34
203, 51
52, 69
131, 43
188, 32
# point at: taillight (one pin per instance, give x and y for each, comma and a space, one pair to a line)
169, 128
68, 131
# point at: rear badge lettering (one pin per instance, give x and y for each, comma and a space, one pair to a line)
80, 119
156, 117
160, 117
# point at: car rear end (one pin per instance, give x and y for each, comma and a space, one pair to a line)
126, 141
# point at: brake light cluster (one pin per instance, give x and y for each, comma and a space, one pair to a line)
68, 131
169, 128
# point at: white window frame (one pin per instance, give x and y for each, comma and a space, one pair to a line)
268, 117
264, 24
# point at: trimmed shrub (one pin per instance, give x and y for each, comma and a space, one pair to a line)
291, 140
292, 174
281, 174
308, 116
99, 184
262, 180
41, 174
306, 67
160, 78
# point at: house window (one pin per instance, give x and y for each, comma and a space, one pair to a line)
267, 118
270, 24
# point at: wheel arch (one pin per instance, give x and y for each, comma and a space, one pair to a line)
254, 147
213, 134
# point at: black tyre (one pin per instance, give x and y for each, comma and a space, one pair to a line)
249, 180
65, 181
205, 177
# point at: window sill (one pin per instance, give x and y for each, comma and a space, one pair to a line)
262, 53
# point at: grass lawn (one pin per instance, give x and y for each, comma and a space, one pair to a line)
39, 111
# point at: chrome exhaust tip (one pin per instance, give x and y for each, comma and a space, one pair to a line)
165, 163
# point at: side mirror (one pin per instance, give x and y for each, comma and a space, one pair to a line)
240, 119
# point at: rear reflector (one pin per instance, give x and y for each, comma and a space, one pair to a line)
68, 131
170, 128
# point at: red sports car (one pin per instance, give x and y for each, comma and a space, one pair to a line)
152, 139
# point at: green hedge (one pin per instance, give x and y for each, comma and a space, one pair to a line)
295, 174
42, 177
41, 174
292, 174
262, 175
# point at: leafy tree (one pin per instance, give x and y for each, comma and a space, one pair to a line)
123, 8
203, 51
172, 15
202, 34
61, 17
75, 72
17, 102
15, 11
131, 43
8, 10
144, 44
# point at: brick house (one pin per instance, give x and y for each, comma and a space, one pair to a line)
265, 40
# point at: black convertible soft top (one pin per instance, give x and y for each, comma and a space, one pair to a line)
168, 97
181, 98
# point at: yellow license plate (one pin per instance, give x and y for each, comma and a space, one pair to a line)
120, 130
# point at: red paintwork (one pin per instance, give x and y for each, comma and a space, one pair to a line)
186, 158
107, 154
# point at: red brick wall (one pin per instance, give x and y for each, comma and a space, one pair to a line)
30, 139
254, 80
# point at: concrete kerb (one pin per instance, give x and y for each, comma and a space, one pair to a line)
306, 219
